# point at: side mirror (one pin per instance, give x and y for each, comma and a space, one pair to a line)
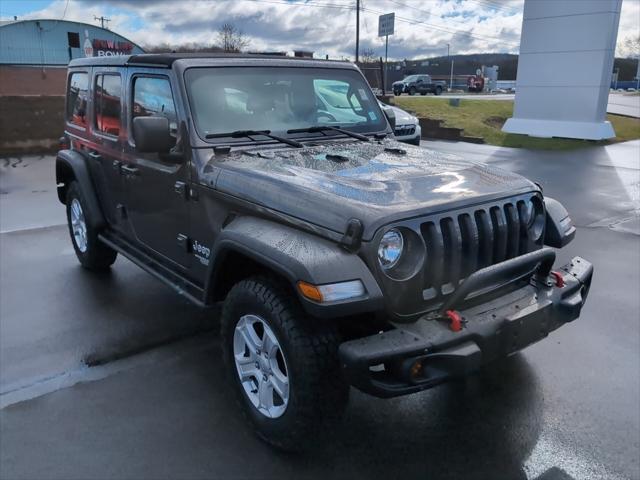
152, 135
391, 117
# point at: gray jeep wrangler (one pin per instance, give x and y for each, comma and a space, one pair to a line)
341, 256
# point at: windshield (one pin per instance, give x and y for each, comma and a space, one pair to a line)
410, 78
228, 99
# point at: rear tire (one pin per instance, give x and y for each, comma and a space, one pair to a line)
258, 313
92, 254
438, 90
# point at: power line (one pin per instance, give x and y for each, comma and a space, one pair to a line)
64, 13
477, 35
493, 5
339, 6
444, 29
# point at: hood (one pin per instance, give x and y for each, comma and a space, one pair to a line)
377, 182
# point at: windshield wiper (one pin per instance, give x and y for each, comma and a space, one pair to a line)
251, 133
324, 128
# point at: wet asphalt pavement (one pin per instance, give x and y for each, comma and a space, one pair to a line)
154, 403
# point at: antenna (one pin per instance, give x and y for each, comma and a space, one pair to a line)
102, 19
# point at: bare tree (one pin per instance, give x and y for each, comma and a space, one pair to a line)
231, 38
632, 46
368, 55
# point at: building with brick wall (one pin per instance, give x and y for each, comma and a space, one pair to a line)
34, 53
33, 70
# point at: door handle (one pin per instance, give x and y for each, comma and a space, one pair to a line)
95, 155
129, 171
116, 164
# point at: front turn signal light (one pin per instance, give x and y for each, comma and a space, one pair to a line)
331, 292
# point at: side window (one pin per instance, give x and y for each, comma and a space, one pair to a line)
107, 104
152, 96
77, 99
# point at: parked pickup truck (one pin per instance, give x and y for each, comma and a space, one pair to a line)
341, 257
421, 84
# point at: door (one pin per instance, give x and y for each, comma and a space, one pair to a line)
423, 84
155, 189
105, 149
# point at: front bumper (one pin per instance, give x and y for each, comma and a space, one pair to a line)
416, 356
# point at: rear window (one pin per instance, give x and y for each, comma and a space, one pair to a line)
77, 98
107, 104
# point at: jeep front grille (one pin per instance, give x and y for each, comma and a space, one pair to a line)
458, 245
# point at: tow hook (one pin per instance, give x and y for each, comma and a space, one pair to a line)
455, 320
557, 276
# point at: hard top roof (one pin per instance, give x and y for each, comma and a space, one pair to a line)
166, 60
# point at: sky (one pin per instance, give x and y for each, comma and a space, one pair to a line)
423, 28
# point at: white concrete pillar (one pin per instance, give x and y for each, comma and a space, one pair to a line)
564, 69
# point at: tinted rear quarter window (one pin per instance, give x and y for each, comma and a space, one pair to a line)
77, 98
108, 94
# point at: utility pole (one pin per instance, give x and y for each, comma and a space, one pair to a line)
451, 76
102, 19
357, 30
386, 61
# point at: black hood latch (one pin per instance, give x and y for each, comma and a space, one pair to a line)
352, 237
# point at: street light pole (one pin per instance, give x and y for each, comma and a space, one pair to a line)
357, 30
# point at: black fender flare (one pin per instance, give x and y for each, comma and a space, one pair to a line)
296, 255
74, 162
559, 229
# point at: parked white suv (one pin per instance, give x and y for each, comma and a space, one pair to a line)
407, 127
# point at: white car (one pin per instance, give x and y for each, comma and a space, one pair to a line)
407, 126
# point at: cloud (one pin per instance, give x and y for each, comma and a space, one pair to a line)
423, 28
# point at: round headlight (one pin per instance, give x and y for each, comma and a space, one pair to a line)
390, 248
536, 219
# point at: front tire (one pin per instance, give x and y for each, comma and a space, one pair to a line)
91, 253
282, 366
